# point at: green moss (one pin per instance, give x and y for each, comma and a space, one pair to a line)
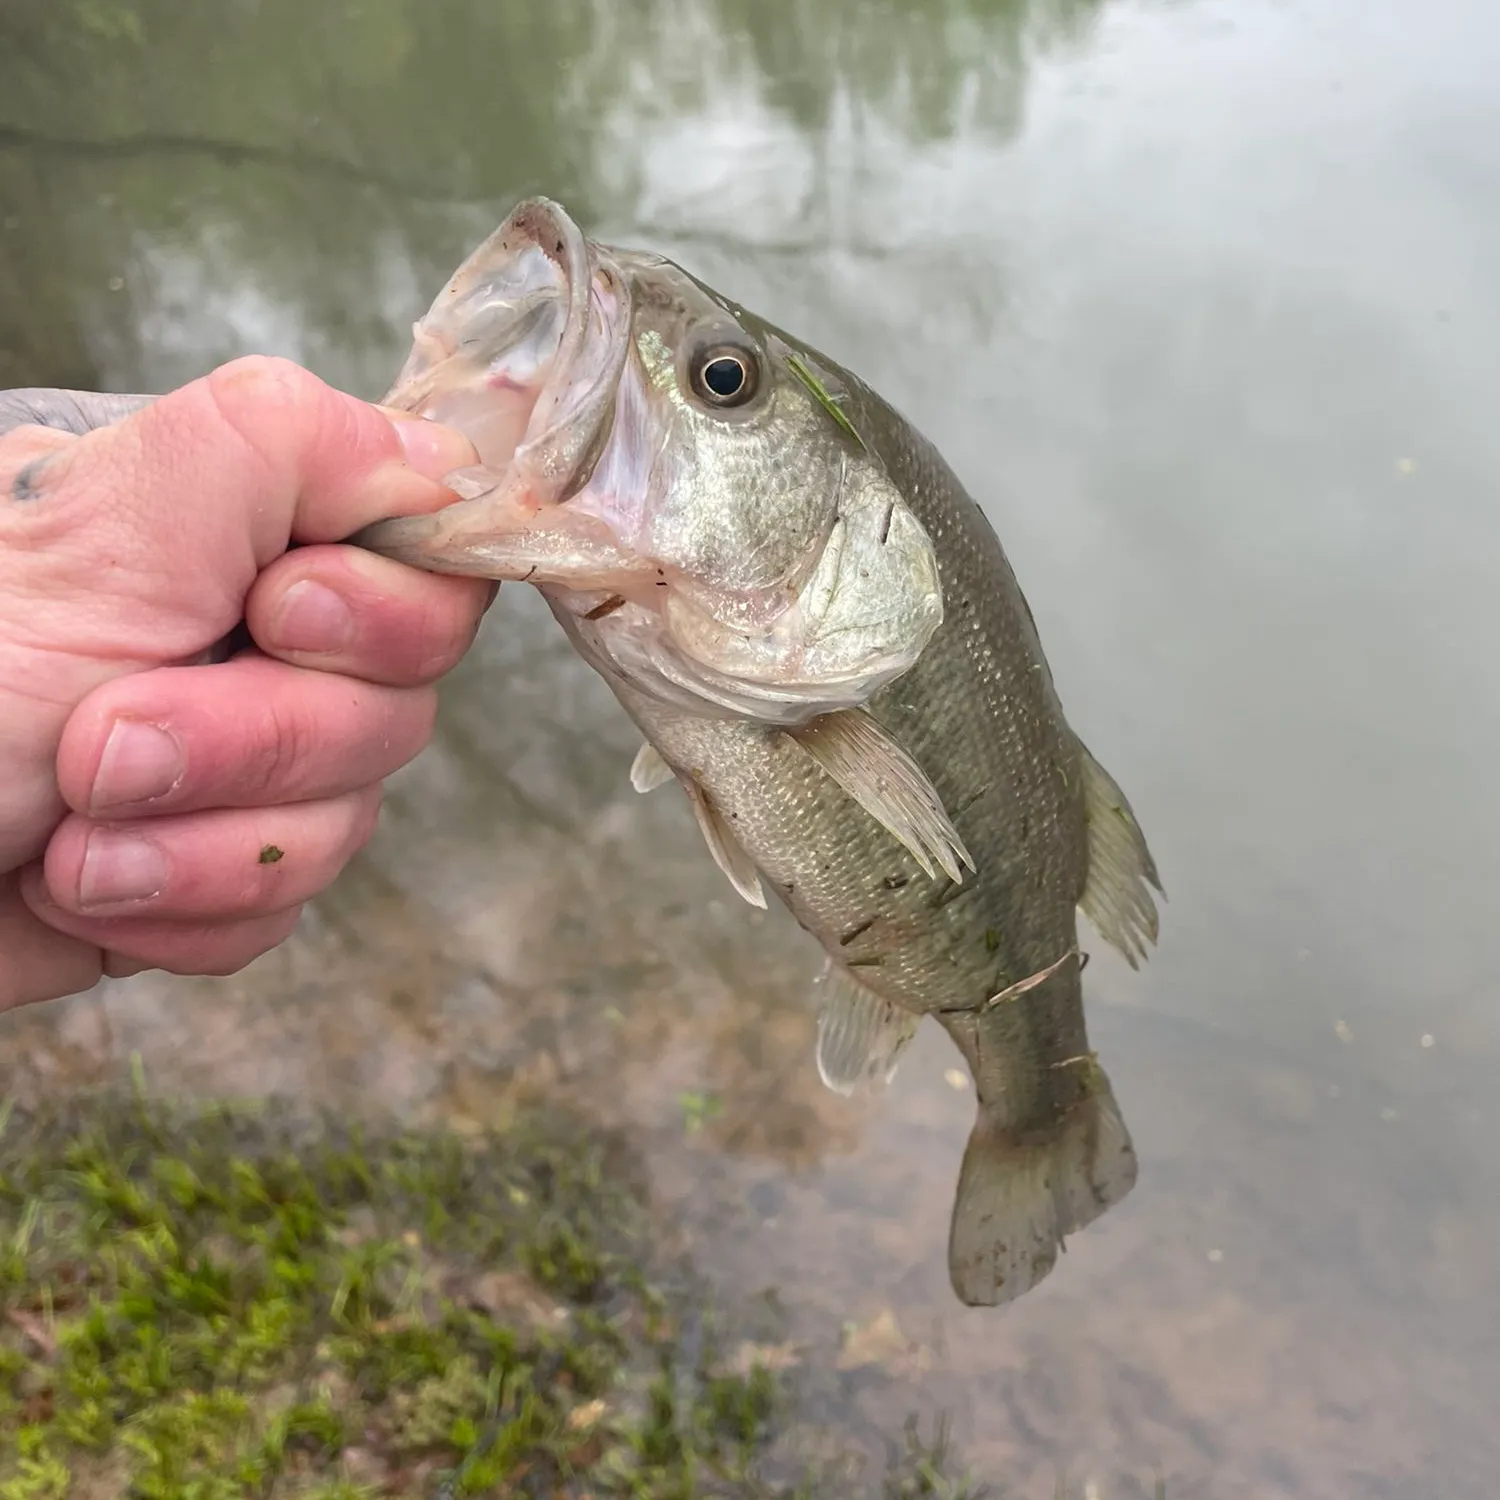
214, 1303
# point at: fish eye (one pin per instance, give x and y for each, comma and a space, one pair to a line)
724, 376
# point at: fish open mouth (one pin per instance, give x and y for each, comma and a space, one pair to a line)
522, 352
528, 351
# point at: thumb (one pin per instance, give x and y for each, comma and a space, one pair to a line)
143, 537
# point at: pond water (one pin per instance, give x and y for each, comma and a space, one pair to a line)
1200, 299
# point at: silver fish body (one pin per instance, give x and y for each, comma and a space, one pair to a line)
835, 662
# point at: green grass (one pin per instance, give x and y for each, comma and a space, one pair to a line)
215, 1303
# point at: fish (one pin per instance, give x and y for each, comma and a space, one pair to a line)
820, 638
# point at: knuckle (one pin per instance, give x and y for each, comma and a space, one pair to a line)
225, 952
256, 380
283, 750
262, 397
407, 725
436, 645
364, 814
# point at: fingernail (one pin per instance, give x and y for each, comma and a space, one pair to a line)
140, 763
119, 867
312, 618
431, 448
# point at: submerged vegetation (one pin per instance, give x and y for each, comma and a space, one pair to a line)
216, 1302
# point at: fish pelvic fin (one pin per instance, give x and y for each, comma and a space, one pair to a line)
728, 853
648, 770
860, 1035
1116, 896
1021, 1194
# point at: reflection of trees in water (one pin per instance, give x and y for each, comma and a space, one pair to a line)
382, 83
43, 337
330, 147
928, 65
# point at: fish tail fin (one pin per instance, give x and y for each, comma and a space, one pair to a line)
1021, 1194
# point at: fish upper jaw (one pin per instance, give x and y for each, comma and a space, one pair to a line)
521, 351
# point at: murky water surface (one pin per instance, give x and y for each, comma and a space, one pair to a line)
1200, 298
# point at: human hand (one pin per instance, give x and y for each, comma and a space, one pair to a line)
156, 813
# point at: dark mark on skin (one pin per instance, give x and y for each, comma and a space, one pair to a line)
271, 855
27, 484
885, 525
895, 882
970, 800
855, 932
608, 607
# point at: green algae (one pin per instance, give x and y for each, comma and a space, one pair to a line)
213, 1302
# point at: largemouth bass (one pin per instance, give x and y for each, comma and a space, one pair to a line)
822, 642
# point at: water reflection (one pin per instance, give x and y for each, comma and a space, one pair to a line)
216, 187
1199, 297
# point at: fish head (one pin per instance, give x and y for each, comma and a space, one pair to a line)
681, 479
796, 578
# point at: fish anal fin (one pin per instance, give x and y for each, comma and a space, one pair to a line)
648, 770
1116, 898
879, 775
1020, 1196
860, 1035
729, 854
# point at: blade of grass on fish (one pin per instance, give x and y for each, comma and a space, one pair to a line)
825, 398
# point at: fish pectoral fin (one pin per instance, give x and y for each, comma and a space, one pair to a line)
1020, 1196
648, 770
879, 775
860, 1035
727, 850
1115, 896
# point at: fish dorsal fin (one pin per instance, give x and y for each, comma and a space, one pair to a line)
648, 770
879, 775
727, 851
860, 1036
1115, 896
